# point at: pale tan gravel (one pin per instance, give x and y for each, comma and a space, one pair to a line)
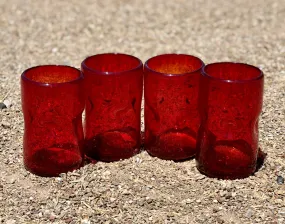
142, 189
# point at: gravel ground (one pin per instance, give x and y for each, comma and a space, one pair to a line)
142, 189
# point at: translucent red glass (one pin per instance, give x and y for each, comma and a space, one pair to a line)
52, 103
230, 101
171, 84
113, 86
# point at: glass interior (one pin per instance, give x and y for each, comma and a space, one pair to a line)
232, 71
111, 62
174, 64
52, 74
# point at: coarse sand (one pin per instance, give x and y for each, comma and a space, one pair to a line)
142, 189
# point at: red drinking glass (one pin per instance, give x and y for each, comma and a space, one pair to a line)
230, 101
113, 85
52, 103
171, 115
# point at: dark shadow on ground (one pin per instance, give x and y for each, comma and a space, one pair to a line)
261, 156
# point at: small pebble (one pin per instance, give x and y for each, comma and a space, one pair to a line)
280, 180
52, 217
188, 201
7, 103
85, 221
58, 179
138, 160
248, 214
11, 180
215, 209
11, 221
112, 199
5, 124
54, 50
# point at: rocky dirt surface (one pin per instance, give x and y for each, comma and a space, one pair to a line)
141, 189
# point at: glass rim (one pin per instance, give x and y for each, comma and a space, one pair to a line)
84, 66
170, 74
205, 74
24, 77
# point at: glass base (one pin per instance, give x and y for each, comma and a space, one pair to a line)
172, 146
49, 162
112, 146
227, 160
231, 174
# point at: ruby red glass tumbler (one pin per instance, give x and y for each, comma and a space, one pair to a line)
113, 86
52, 103
230, 101
171, 83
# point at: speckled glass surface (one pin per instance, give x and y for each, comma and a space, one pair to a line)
171, 83
230, 101
52, 103
113, 87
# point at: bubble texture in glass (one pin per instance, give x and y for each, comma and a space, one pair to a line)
52, 103
230, 101
171, 84
113, 86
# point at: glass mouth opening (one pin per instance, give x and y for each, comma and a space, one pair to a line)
111, 63
52, 74
232, 72
174, 64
